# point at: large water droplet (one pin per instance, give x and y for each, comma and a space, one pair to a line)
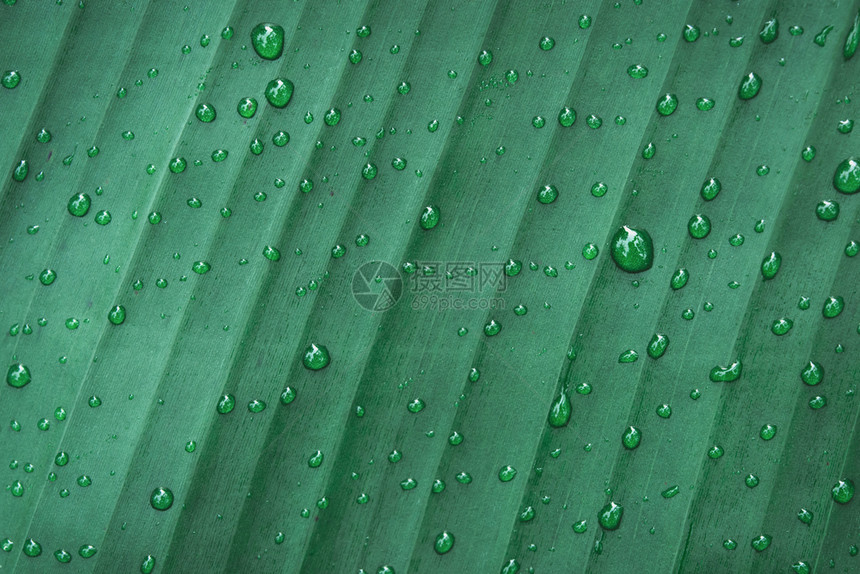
699, 226
846, 178
833, 307
316, 357
79, 204
444, 542
770, 265
812, 373
843, 491
749, 86
632, 249
18, 375
658, 345
631, 438
679, 278
761, 542
161, 498
610, 515
769, 30
429, 217
279, 92
547, 194
667, 104
560, 410
268, 40
726, 374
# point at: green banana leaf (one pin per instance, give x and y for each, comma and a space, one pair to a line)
429, 286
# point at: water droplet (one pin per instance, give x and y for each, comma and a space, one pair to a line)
247, 107
226, 403
256, 406
594, 122
18, 375
769, 30
749, 86
705, 104
767, 432
667, 104
852, 38
547, 194
560, 411
711, 188
770, 265
691, 33
728, 374
546, 43
279, 92
637, 71
846, 178
649, 150
631, 438
316, 459
566, 117
161, 498
79, 204
268, 40
632, 249
492, 328
679, 278
429, 217
610, 515
761, 542
812, 373
628, 356
833, 306
416, 405
117, 315
444, 542
670, 492
205, 113
816, 403
827, 210
369, 171
507, 473
781, 326
316, 357
10, 79
32, 548
699, 226
821, 37
658, 345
